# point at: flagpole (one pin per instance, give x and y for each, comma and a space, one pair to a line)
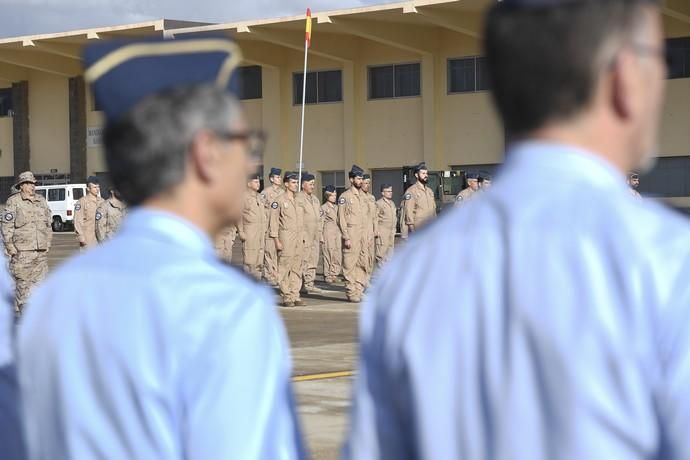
304, 96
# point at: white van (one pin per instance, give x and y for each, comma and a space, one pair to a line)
61, 200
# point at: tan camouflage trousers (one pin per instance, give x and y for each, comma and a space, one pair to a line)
290, 276
309, 263
355, 267
28, 269
271, 262
254, 262
332, 259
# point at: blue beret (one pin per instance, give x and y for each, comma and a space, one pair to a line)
275, 172
356, 171
330, 189
366, 176
420, 166
290, 175
471, 175
124, 72
92, 180
307, 177
483, 175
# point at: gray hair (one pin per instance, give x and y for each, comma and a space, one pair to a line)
146, 150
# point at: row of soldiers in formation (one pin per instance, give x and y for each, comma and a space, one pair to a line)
283, 230
27, 234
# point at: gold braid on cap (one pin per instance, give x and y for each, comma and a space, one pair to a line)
137, 50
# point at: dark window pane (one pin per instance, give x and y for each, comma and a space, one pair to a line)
56, 194
250, 82
5, 102
77, 193
461, 75
311, 88
678, 51
482, 74
330, 86
381, 82
407, 80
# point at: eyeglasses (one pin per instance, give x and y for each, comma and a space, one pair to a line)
256, 140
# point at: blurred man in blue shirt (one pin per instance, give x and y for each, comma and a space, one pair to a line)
11, 441
570, 339
149, 347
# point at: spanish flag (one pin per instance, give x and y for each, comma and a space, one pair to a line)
308, 33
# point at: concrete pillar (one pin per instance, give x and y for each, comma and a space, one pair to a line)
77, 129
20, 127
271, 115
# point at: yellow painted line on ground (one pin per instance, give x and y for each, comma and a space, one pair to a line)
323, 376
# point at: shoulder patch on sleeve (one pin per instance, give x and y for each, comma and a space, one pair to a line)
9, 217
77, 207
274, 205
99, 216
342, 200
408, 196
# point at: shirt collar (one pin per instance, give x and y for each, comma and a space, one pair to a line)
168, 227
552, 159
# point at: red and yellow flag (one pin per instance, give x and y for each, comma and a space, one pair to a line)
308, 33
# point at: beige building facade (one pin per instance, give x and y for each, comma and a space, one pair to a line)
388, 86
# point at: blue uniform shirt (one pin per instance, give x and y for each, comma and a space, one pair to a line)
548, 319
148, 347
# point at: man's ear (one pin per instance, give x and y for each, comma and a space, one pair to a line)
622, 85
203, 154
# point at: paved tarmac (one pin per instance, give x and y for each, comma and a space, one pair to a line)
323, 337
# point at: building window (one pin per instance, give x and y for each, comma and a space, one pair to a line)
467, 75
402, 80
334, 178
56, 194
5, 102
250, 82
322, 87
678, 50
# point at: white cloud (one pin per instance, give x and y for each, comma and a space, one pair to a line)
30, 17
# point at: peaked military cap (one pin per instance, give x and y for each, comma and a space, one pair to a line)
366, 176
125, 72
275, 172
307, 177
290, 175
356, 171
471, 175
330, 189
420, 166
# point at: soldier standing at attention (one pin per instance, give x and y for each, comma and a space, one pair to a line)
385, 217
270, 254
311, 218
27, 235
372, 222
331, 239
109, 216
353, 211
419, 202
468, 193
85, 214
286, 230
252, 228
